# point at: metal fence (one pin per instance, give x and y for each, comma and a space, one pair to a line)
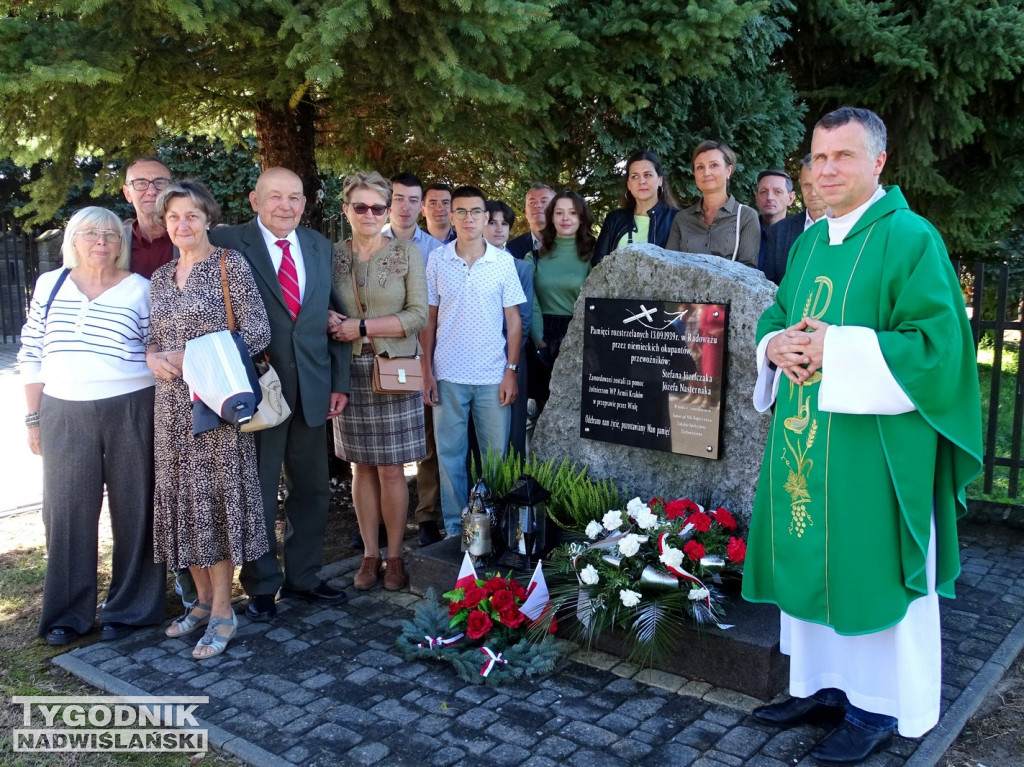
19, 267
995, 296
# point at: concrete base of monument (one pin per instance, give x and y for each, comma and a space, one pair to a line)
745, 658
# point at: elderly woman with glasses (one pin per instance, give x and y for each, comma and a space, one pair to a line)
207, 506
90, 417
383, 288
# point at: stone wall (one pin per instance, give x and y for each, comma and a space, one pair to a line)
645, 271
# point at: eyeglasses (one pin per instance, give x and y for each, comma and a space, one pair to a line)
360, 209
94, 235
142, 184
462, 214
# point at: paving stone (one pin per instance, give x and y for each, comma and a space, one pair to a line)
660, 679
273, 683
626, 670
497, 701
253, 700
579, 709
437, 704
587, 757
617, 723
596, 659
722, 716
299, 697
413, 743
507, 755
409, 670
362, 676
302, 724
282, 715
446, 756
478, 717
631, 750
539, 761
225, 688
526, 715
587, 734
441, 681
717, 759
393, 710
790, 745
675, 754
555, 747
297, 755
476, 694
432, 724
701, 735
331, 734
517, 736
742, 741
172, 665
368, 753
319, 681
544, 698
732, 699
766, 761
280, 635
468, 739
294, 646
378, 659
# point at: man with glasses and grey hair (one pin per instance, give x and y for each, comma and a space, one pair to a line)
473, 293
538, 197
150, 246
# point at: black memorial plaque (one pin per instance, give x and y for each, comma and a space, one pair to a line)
652, 374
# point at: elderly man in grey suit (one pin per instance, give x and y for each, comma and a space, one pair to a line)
292, 268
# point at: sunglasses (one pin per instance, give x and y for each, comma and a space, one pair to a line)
360, 209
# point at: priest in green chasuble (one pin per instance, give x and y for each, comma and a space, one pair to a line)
868, 358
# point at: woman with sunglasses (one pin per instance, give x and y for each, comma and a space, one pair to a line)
383, 289
90, 417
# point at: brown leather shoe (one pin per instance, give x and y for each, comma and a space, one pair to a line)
366, 578
395, 577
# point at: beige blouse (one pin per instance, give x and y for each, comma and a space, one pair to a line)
394, 282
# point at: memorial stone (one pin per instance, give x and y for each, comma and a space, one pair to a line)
726, 476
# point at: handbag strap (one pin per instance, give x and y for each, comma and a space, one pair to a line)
53, 293
739, 216
355, 291
224, 288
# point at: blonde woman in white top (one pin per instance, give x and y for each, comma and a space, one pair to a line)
90, 417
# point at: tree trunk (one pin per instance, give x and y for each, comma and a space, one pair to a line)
287, 139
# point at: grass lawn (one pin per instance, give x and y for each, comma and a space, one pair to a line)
25, 667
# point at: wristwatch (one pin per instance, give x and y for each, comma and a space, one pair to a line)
362, 328
513, 368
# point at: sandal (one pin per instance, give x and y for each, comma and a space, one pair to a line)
189, 622
216, 641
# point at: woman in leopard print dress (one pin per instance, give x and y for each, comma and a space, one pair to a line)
208, 512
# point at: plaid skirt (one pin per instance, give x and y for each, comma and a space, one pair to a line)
378, 429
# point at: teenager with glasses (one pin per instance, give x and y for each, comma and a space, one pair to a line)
474, 295
149, 246
383, 288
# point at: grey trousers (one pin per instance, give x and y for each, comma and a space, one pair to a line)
86, 445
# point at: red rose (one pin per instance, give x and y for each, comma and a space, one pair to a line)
496, 584
454, 608
554, 625
511, 617
736, 550
479, 624
656, 501
474, 596
701, 522
725, 519
693, 550
502, 601
518, 591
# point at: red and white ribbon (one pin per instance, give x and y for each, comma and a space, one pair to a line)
491, 660
433, 642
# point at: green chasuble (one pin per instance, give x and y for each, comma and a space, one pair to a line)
841, 521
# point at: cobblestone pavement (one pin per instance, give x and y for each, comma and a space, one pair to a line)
326, 686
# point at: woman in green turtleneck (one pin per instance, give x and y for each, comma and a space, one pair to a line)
563, 263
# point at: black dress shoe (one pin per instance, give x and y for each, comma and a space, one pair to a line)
61, 635
799, 711
429, 534
849, 744
113, 630
322, 594
261, 608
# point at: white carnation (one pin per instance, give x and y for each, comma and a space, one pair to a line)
612, 520
672, 557
645, 518
697, 594
589, 575
594, 529
629, 598
629, 545
634, 506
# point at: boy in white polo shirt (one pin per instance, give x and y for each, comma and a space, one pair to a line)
473, 292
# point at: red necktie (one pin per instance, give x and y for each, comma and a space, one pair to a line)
289, 279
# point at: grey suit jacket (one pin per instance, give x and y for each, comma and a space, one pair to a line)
307, 361
781, 237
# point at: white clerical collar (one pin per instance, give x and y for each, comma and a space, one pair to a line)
840, 226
